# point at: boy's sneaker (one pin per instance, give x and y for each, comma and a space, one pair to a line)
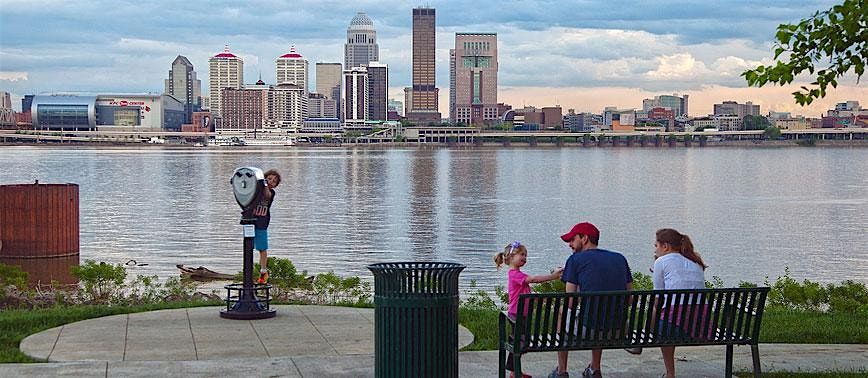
555, 374
591, 373
263, 277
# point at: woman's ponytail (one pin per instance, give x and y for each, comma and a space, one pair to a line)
682, 243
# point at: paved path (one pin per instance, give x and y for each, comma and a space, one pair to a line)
320, 341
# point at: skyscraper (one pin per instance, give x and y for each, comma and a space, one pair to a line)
225, 70
354, 97
378, 91
183, 85
424, 94
473, 78
292, 69
328, 82
677, 104
361, 47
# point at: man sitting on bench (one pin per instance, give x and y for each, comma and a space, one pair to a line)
591, 269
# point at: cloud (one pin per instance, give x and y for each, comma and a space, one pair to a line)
681, 66
13, 76
665, 46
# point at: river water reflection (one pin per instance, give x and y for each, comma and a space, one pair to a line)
752, 212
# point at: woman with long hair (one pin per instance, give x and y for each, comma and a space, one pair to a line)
676, 266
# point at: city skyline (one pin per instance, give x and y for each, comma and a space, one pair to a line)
604, 56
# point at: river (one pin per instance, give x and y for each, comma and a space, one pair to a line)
751, 212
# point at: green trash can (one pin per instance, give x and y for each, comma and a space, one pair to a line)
416, 319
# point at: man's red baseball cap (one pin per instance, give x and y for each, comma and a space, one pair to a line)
583, 228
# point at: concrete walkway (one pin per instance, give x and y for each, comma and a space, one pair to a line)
320, 341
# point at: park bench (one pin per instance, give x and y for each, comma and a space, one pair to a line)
629, 319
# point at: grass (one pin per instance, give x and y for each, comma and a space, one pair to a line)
798, 327
832, 374
779, 326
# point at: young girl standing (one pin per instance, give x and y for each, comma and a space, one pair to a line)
515, 255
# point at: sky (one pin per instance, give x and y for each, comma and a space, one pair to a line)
581, 55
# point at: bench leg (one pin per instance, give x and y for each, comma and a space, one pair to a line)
728, 361
516, 369
501, 365
757, 370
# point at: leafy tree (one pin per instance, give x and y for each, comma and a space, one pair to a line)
772, 132
839, 34
755, 122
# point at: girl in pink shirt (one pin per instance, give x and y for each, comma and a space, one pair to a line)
515, 255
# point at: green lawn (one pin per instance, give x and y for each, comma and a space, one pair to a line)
790, 327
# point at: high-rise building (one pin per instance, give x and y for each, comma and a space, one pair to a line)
225, 70
673, 102
183, 85
424, 94
244, 109
328, 83
5, 100
354, 97
473, 79
320, 106
734, 108
378, 91
288, 106
361, 47
292, 69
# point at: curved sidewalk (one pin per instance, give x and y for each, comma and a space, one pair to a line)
323, 341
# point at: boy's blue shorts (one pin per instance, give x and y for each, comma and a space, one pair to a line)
260, 239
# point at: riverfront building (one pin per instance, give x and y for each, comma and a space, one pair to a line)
354, 97
423, 97
292, 69
288, 106
245, 109
225, 70
473, 79
678, 105
361, 47
183, 85
320, 106
736, 109
132, 112
328, 83
378, 91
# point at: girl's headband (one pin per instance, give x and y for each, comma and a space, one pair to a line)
513, 246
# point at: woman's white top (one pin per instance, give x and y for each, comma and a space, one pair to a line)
674, 271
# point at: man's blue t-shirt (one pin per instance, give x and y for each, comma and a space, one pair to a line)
597, 270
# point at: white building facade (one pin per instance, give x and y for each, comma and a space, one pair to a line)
225, 70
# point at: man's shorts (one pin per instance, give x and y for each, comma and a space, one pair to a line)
260, 239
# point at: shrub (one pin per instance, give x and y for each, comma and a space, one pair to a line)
12, 275
101, 282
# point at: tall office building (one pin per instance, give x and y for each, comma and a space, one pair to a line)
183, 85
328, 82
225, 70
378, 91
244, 109
354, 97
424, 94
736, 109
288, 106
292, 69
673, 102
473, 78
361, 47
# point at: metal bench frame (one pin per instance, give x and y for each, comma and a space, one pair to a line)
629, 319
